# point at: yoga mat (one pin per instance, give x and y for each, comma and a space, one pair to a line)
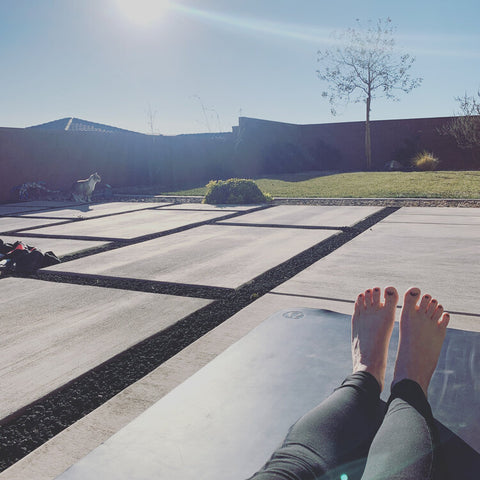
224, 422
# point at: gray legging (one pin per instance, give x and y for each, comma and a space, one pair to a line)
333, 440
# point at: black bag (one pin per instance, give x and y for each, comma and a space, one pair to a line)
22, 258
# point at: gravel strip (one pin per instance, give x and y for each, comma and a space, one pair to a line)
379, 202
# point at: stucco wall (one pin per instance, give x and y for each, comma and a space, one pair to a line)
255, 147
261, 145
59, 158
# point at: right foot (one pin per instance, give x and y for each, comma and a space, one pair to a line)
422, 331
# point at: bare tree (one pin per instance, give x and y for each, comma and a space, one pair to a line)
364, 65
208, 112
465, 127
151, 120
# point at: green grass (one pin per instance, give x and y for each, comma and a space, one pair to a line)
368, 185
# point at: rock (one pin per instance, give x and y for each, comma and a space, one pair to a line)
394, 166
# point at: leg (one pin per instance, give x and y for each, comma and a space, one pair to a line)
335, 436
404, 447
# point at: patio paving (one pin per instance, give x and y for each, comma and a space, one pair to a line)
129, 225
212, 255
59, 246
207, 206
317, 216
435, 254
433, 248
436, 215
53, 332
8, 224
43, 204
16, 209
93, 210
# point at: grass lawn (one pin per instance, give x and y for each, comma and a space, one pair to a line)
368, 185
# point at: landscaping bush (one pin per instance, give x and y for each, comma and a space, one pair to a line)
234, 191
425, 161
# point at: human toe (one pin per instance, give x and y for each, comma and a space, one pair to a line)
368, 297
376, 297
360, 303
432, 306
391, 297
411, 298
424, 303
437, 313
444, 320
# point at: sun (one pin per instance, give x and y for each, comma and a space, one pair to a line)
142, 12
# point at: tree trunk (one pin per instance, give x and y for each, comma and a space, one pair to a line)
368, 145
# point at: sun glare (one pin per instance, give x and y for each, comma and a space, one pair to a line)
142, 12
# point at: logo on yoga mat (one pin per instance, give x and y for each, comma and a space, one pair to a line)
293, 314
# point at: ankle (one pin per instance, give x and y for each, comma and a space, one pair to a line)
413, 393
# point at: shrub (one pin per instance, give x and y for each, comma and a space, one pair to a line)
234, 191
425, 161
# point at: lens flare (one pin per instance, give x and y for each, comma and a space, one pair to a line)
142, 12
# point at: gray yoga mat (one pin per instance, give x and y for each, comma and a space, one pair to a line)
224, 422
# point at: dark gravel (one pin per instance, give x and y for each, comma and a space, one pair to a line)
379, 202
29, 428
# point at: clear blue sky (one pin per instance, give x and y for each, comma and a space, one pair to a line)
197, 65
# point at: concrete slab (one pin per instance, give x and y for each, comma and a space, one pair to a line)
59, 246
15, 210
213, 255
129, 225
206, 206
8, 224
224, 422
52, 332
87, 210
437, 258
316, 216
435, 215
440, 211
44, 204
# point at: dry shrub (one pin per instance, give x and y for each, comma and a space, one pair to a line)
425, 161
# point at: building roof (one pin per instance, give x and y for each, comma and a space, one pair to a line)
73, 124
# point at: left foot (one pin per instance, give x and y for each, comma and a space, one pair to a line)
372, 325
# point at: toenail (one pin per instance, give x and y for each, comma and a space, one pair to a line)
389, 292
413, 294
376, 289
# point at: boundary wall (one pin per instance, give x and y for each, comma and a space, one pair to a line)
272, 147
59, 157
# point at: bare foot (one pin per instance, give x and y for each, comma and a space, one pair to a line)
372, 325
422, 332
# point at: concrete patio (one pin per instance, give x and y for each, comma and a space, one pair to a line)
55, 328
